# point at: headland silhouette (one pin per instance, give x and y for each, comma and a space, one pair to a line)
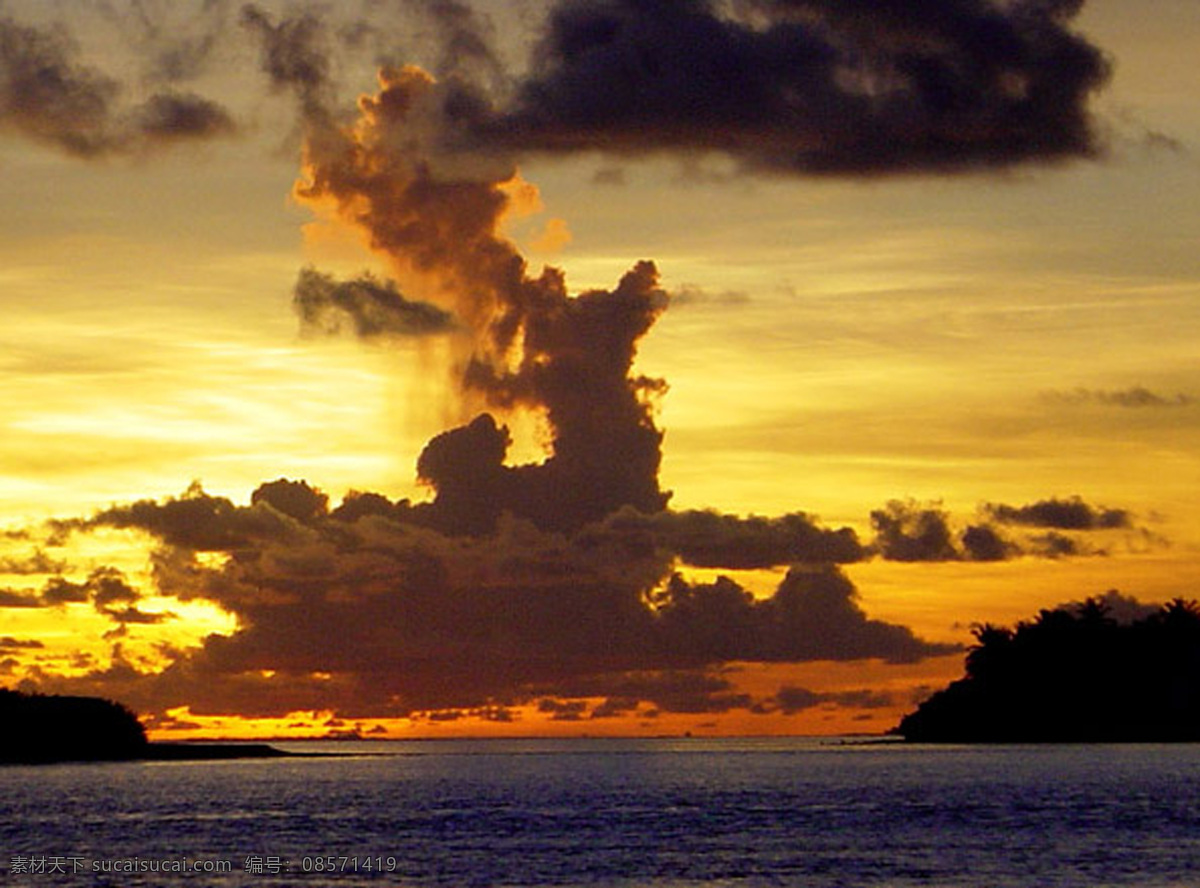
1073, 674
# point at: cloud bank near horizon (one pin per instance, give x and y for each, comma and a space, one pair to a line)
561, 579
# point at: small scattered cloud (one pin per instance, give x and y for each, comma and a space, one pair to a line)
555, 236
790, 700
563, 710
48, 93
694, 295
38, 562
17, 598
60, 591
9, 644
611, 176
907, 531
1070, 513
1136, 397
364, 307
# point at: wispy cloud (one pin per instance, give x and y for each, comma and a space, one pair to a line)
1134, 397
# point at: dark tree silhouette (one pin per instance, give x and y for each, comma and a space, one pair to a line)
1073, 675
36, 728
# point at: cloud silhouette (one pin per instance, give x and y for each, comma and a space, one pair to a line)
16, 598
1135, 397
59, 591
706, 538
9, 643
867, 87
194, 521
48, 94
982, 542
389, 614
364, 306
37, 562
790, 699
1071, 513
906, 531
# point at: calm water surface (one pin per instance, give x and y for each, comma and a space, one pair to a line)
663, 813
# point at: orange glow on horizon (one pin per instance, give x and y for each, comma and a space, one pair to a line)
857, 697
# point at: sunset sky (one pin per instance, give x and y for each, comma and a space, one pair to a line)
920, 336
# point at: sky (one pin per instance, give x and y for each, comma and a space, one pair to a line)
572, 367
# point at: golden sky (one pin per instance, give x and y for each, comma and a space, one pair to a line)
931, 283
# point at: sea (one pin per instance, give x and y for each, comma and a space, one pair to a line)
661, 813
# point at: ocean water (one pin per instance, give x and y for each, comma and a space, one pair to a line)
654, 813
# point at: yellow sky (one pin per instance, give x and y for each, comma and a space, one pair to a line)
833, 345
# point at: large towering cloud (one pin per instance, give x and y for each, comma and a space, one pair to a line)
435, 214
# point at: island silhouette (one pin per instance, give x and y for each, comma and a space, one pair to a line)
41, 729
1073, 674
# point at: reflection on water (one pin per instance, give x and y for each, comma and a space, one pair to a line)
612, 812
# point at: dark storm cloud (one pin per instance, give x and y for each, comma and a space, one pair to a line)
906, 531
365, 306
48, 94
812, 86
195, 521
711, 539
813, 615
605, 448
387, 615
436, 216
867, 87
1071, 513
296, 499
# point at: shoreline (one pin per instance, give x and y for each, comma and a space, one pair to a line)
171, 752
